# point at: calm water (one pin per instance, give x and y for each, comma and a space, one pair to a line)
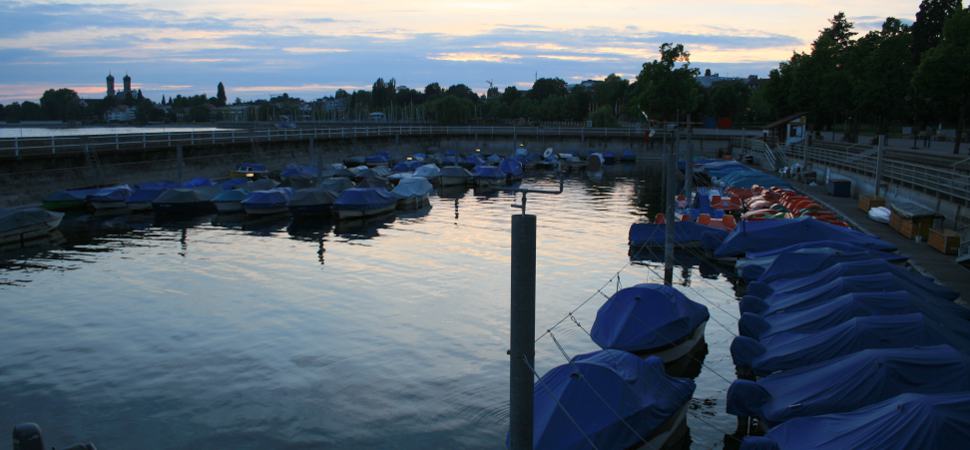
226, 333
33, 132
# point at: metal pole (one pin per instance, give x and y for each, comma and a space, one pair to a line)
689, 166
522, 347
670, 199
879, 150
179, 162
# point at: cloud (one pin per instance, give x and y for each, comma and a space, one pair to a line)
313, 50
474, 57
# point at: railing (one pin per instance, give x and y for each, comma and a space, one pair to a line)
59, 145
935, 180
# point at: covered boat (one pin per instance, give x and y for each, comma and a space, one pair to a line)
686, 234
650, 319
473, 160
802, 283
600, 396
905, 422
431, 172
408, 165
364, 202
805, 258
250, 170
315, 201
412, 193
455, 176
270, 201
228, 202
378, 159
18, 225
628, 155
609, 158
595, 162
814, 295
68, 199
850, 382
765, 235
145, 193
337, 185
512, 168
185, 200
115, 197
785, 351
488, 176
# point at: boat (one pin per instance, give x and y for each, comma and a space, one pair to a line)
19, 225
185, 200
270, 201
378, 159
472, 161
595, 162
364, 202
115, 197
229, 202
250, 170
412, 193
850, 382
512, 169
609, 158
609, 399
549, 160
355, 161
455, 176
488, 176
69, 199
430, 172
337, 184
628, 156
408, 165
650, 319
686, 235
145, 193
298, 176
906, 421
315, 201
805, 258
786, 351
754, 236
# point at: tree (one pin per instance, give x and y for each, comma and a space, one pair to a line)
943, 76
729, 98
611, 92
432, 90
881, 71
451, 110
928, 27
665, 90
61, 104
221, 94
548, 87
603, 117
462, 91
510, 95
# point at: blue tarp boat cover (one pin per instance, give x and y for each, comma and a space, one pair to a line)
413, 187
830, 313
474, 160
848, 268
628, 155
785, 351
491, 172
232, 183
511, 167
450, 160
646, 317
635, 389
850, 382
148, 192
364, 198
197, 182
407, 165
797, 301
233, 196
71, 194
299, 171
111, 194
904, 422
651, 235
429, 171
455, 172
378, 158
337, 185
808, 260
754, 236
269, 197
493, 159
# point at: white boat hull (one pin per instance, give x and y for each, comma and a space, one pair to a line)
682, 349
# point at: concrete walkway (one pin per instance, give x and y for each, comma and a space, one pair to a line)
925, 259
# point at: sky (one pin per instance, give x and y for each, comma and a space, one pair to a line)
311, 48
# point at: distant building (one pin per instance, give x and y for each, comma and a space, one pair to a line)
707, 81
111, 85
122, 113
378, 117
127, 82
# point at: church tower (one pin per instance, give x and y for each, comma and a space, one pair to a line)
111, 85
127, 81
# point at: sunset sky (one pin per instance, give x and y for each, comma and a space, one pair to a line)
311, 48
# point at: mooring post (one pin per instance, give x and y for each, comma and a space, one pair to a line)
670, 201
522, 349
317, 154
878, 174
179, 162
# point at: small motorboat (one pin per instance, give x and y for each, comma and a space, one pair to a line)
609, 399
650, 319
455, 176
430, 172
315, 201
488, 176
115, 197
18, 225
595, 162
229, 202
185, 200
549, 160
69, 199
364, 202
378, 159
250, 170
269, 201
408, 165
512, 169
412, 193
145, 193
472, 161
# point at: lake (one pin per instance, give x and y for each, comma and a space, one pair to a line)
35, 132
232, 333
